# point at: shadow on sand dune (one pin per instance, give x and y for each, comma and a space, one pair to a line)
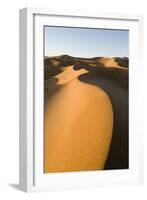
118, 155
50, 89
123, 62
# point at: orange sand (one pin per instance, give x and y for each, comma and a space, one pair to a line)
78, 125
110, 62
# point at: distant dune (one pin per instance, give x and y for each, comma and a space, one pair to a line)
86, 113
114, 62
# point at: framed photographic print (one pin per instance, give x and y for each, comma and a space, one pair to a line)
79, 81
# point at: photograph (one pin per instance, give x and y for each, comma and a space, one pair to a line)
86, 99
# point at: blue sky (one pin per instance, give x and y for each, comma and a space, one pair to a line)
84, 42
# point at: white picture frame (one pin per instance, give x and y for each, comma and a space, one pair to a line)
31, 175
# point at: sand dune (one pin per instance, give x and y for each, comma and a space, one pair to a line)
119, 150
86, 113
68, 75
78, 125
111, 62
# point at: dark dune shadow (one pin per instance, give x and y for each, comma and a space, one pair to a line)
50, 89
118, 155
51, 69
50, 85
115, 74
123, 62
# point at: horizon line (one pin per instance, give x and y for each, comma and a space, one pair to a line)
59, 55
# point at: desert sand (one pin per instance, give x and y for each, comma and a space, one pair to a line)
85, 114
110, 62
78, 125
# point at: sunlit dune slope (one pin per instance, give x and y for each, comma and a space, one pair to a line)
116, 66
113, 62
78, 123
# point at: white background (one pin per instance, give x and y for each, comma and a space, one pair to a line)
9, 99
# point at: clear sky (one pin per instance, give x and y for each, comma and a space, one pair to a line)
84, 42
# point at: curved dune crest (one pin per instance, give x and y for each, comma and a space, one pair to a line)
108, 62
112, 62
78, 126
